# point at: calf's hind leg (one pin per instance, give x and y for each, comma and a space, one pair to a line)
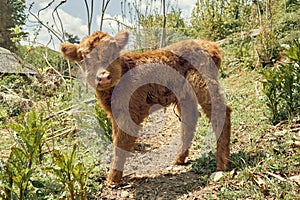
214, 107
223, 138
188, 117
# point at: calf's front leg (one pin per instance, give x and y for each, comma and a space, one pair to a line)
123, 145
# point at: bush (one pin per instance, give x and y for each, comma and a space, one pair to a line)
282, 86
103, 122
25, 156
42, 57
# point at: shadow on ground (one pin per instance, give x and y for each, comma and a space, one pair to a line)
177, 184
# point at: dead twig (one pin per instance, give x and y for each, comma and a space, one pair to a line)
62, 134
49, 64
69, 108
277, 176
119, 22
295, 129
103, 9
51, 30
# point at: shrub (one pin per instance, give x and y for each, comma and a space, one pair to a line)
282, 86
72, 173
25, 156
103, 122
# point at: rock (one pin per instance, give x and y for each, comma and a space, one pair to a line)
124, 194
296, 179
216, 176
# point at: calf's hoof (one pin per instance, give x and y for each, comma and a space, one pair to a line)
114, 177
181, 159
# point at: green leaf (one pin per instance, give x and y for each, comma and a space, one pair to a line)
59, 159
70, 162
293, 52
37, 184
18, 155
78, 170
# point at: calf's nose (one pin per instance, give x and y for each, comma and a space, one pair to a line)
104, 78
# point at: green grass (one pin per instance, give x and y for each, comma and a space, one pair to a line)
260, 153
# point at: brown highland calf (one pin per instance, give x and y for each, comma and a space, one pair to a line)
196, 61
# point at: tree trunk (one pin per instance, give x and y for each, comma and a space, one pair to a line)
163, 34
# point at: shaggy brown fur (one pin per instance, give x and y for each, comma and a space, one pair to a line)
104, 65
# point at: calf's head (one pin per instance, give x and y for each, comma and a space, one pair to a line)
98, 53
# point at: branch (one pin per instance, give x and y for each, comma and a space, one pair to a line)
49, 4
116, 20
49, 64
276, 176
63, 133
163, 34
59, 19
89, 15
69, 108
51, 30
103, 9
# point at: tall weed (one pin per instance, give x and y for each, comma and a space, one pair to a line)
104, 122
73, 174
282, 86
25, 156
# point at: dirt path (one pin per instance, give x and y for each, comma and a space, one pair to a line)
149, 171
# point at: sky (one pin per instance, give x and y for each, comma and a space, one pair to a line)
74, 17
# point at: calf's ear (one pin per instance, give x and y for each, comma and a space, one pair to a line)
69, 51
122, 38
